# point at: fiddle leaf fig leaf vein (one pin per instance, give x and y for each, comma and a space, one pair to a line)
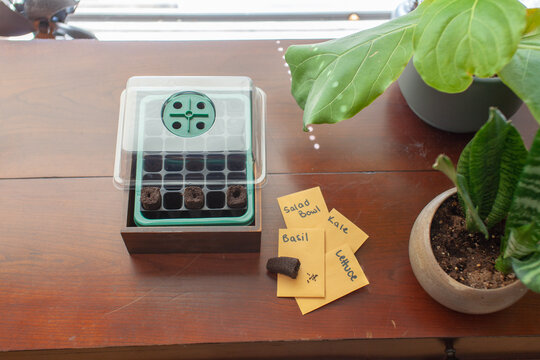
334, 80
521, 73
456, 39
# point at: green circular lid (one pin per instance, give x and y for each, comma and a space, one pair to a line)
188, 114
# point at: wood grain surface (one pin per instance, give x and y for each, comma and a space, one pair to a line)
67, 281
60, 101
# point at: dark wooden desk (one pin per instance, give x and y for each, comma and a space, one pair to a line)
69, 288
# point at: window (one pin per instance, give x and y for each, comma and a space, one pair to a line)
235, 19
156, 20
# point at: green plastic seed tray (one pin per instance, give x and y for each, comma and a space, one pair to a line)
191, 149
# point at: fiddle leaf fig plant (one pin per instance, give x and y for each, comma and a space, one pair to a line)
451, 40
497, 180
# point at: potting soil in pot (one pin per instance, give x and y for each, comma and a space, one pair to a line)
467, 257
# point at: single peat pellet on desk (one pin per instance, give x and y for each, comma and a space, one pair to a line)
284, 265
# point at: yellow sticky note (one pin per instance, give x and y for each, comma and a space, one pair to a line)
307, 245
303, 209
343, 275
340, 230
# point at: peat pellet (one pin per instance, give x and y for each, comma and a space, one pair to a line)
284, 265
193, 198
236, 196
150, 198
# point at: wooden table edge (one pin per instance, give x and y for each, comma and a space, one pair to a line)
522, 347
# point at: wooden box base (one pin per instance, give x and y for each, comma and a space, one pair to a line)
190, 239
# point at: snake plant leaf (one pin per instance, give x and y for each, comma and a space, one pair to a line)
334, 80
491, 164
525, 207
474, 222
523, 222
504, 265
528, 271
444, 164
487, 172
521, 73
523, 241
456, 39
472, 218
463, 168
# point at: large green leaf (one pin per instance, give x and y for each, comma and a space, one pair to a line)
528, 271
334, 80
525, 207
456, 39
523, 241
522, 223
491, 164
487, 173
522, 72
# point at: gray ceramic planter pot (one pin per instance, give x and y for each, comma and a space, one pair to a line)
442, 287
460, 113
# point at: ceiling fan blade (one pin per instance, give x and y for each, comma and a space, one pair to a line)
12, 23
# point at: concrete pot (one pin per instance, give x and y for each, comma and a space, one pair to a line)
442, 287
460, 113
